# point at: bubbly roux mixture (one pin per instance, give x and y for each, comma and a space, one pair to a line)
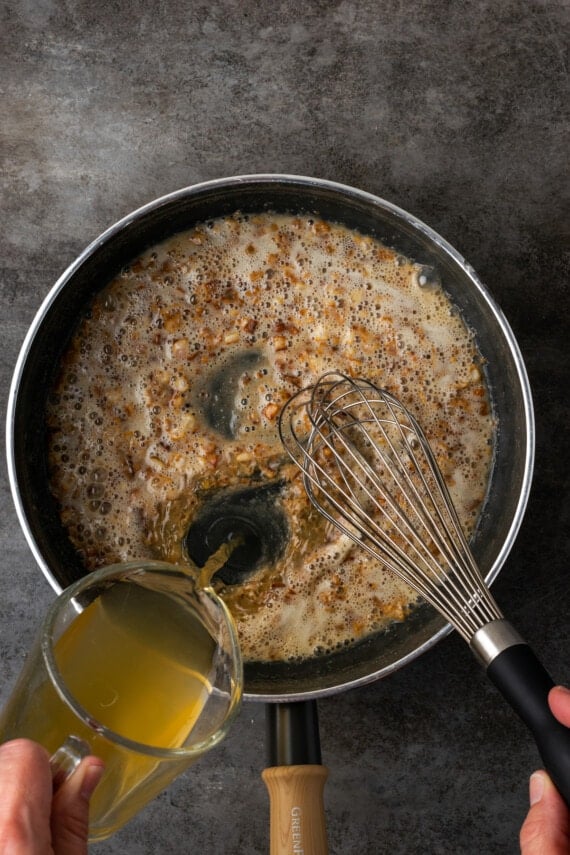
170, 391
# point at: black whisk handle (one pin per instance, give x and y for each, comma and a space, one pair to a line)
525, 684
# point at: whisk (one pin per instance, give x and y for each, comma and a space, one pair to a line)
369, 469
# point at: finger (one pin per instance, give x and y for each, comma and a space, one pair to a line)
70, 808
559, 700
546, 829
25, 784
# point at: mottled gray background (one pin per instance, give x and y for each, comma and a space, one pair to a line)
457, 112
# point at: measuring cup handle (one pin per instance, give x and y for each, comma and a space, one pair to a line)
525, 684
67, 758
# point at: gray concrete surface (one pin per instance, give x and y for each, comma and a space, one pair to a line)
457, 112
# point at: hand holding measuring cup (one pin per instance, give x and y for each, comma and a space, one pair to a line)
138, 665
34, 819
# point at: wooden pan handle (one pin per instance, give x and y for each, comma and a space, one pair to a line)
297, 816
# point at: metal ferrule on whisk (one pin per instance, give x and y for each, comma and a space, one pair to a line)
492, 639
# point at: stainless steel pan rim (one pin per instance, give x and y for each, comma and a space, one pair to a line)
351, 196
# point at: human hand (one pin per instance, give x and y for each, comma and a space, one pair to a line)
546, 829
33, 819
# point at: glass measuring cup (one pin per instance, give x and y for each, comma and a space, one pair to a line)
138, 664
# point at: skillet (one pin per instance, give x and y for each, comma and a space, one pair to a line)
295, 686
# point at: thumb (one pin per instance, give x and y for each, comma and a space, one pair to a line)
70, 808
546, 829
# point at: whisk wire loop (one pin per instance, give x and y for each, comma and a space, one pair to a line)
368, 468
